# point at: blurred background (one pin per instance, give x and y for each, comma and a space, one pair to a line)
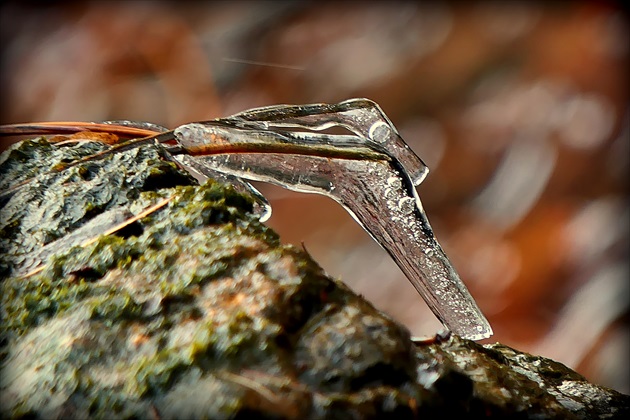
519, 109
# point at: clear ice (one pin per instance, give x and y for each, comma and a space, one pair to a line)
363, 117
372, 174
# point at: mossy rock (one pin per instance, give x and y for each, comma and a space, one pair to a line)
198, 311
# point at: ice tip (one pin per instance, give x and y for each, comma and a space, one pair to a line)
480, 332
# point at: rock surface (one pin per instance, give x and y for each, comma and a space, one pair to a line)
197, 310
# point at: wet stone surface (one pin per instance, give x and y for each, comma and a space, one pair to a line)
198, 310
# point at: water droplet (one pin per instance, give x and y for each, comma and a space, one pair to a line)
379, 132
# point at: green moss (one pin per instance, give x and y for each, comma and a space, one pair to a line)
195, 229
96, 259
28, 302
114, 306
72, 276
155, 374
